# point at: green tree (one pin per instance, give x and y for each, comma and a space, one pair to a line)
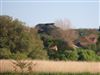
17, 37
86, 55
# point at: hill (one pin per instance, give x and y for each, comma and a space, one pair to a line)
47, 41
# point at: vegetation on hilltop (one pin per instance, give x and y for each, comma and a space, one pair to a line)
54, 41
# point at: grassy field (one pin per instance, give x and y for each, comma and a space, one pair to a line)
49, 73
53, 66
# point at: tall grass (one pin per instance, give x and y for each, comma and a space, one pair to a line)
53, 66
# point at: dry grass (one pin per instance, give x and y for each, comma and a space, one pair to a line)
54, 66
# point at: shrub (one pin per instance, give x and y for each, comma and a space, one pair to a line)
97, 58
5, 53
38, 54
92, 47
87, 55
21, 64
72, 55
19, 56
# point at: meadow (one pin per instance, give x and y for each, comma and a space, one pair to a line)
46, 66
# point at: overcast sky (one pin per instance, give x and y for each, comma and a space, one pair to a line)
81, 13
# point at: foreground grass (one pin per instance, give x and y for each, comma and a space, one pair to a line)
8, 73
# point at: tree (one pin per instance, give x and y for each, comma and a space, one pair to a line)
17, 37
66, 32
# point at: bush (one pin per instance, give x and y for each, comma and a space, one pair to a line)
92, 47
38, 54
87, 55
72, 55
97, 58
63, 55
18, 56
5, 53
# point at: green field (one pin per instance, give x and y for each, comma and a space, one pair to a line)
8, 73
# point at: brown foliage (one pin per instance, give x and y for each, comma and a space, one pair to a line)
67, 33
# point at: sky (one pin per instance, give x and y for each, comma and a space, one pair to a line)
81, 13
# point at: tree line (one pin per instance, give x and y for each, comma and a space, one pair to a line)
18, 41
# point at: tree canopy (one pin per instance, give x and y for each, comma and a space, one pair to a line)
18, 41
17, 37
